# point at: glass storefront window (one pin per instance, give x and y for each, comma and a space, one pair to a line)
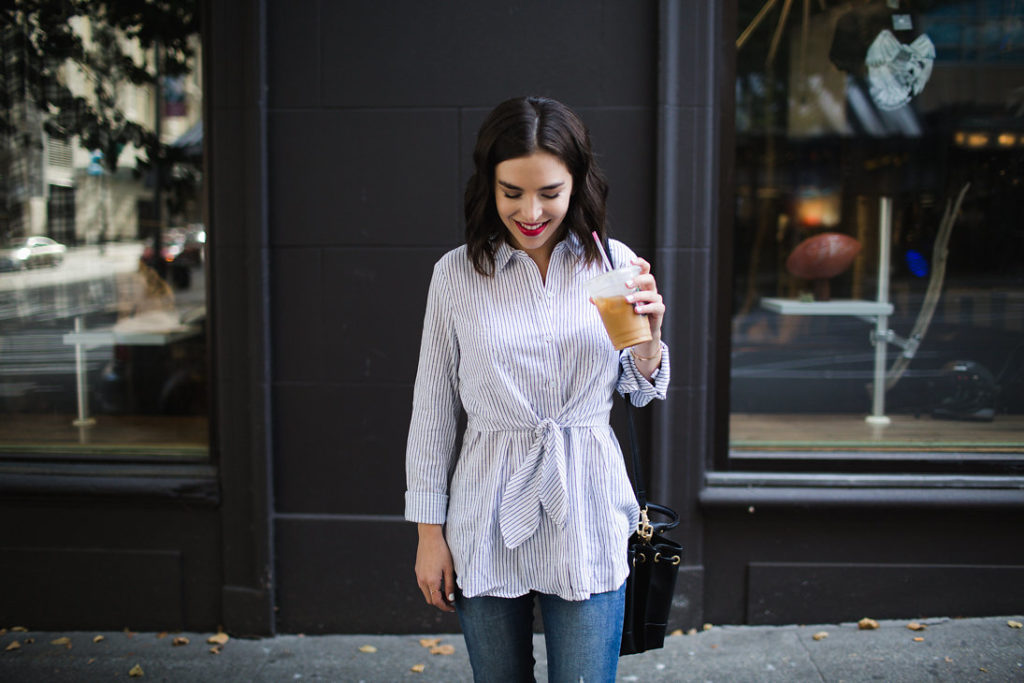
102, 234
878, 300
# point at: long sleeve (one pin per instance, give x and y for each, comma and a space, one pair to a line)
640, 390
431, 446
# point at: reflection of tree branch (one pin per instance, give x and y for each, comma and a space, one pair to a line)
779, 28
755, 23
940, 254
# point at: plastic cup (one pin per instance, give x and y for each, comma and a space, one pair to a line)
624, 325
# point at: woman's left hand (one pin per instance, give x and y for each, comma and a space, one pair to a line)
649, 302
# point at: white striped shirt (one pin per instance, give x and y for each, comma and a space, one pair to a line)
539, 499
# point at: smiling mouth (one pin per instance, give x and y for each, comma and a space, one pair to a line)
531, 229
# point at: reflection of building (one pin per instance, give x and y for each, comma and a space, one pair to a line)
335, 167
57, 188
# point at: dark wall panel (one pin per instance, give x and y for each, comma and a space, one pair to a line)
360, 312
293, 53
759, 559
341, 177
53, 588
373, 303
297, 314
341, 448
624, 141
793, 593
351, 576
109, 564
405, 53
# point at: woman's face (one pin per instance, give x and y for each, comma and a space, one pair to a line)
532, 197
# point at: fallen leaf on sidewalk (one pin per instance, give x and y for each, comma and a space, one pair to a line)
708, 627
981, 668
136, 672
1014, 624
215, 650
179, 641
417, 668
914, 626
367, 648
867, 624
18, 628
820, 635
218, 639
918, 639
442, 650
677, 632
429, 642
949, 659
98, 639
63, 640
3, 632
29, 641
161, 635
13, 645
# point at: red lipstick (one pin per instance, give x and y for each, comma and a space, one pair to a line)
531, 232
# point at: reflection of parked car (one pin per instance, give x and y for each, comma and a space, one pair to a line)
181, 250
30, 252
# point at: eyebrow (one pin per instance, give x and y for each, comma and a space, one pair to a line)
510, 186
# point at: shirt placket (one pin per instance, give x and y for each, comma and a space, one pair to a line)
554, 285
552, 387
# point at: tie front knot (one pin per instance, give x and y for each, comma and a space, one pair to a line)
537, 483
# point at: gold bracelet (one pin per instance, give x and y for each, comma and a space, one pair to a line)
636, 357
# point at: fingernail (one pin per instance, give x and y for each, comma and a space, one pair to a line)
451, 597
629, 283
630, 298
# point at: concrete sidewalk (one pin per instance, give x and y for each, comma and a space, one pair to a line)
976, 649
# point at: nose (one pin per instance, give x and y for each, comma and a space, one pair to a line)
531, 209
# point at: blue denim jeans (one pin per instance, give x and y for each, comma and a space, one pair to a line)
582, 637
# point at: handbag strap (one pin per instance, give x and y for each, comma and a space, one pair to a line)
638, 473
646, 528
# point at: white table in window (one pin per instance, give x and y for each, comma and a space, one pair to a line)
153, 328
876, 312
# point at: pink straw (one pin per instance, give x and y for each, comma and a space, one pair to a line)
600, 247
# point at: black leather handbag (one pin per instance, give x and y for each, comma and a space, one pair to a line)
653, 566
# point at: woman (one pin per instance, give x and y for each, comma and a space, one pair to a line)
540, 505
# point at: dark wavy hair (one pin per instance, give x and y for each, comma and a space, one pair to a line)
519, 127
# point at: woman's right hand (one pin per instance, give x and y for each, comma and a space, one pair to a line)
435, 572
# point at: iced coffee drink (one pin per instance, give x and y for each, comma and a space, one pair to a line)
624, 325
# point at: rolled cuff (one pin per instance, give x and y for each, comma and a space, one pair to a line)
426, 508
641, 390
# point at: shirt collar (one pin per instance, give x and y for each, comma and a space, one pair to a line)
504, 251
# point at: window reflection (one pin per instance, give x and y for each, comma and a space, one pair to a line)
102, 236
872, 133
